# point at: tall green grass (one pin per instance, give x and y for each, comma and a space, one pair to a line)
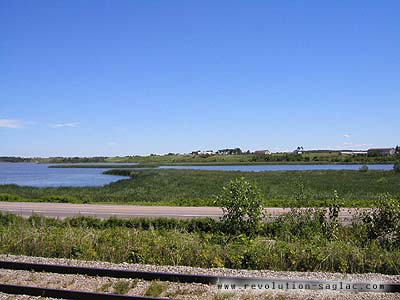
198, 188
296, 242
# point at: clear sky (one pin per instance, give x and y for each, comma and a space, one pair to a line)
84, 78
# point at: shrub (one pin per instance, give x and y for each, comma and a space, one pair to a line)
383, 222
241, 202
300, 195
331, 224
10, 197
298, 224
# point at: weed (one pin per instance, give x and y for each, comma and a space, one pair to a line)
155, 288
224, 295
105, 287
121, 287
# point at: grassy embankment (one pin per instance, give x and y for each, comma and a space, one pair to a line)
313, 157
244, 159
198, 188
296, 242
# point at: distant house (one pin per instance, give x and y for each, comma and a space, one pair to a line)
381, 151
262, 152
207, 152
353, 152
223, 152
299, 150
229, 151
202, 152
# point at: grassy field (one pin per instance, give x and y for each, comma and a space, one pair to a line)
198, 188
275, 158
296, 242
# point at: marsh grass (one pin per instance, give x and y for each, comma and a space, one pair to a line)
198, 188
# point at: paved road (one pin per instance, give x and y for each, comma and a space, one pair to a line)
63, 210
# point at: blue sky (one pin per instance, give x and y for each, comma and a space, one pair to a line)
84, 78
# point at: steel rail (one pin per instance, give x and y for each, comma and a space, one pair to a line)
115, 273
67, 294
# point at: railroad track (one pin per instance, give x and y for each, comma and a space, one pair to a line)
220, 281
67, 294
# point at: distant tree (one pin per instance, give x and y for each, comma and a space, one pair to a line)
237, 151
373, 153
15, 159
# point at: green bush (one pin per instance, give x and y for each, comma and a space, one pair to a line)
241, 203
10, 197
383, 222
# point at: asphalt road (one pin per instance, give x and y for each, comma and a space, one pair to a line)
63, 210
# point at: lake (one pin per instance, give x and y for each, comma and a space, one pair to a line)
39, 175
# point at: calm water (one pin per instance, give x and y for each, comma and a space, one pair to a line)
261, 168
39, 175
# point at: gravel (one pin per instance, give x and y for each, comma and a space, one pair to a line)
179, 290
215, 271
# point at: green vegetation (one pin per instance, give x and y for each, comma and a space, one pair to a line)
298, 241
226, 156
105, 166
155, 289
396, 167
241, 202
198, 188
224, 296
121, 287
236, 157
383, 222
53, 159
105, 287
14, 159
307, 157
